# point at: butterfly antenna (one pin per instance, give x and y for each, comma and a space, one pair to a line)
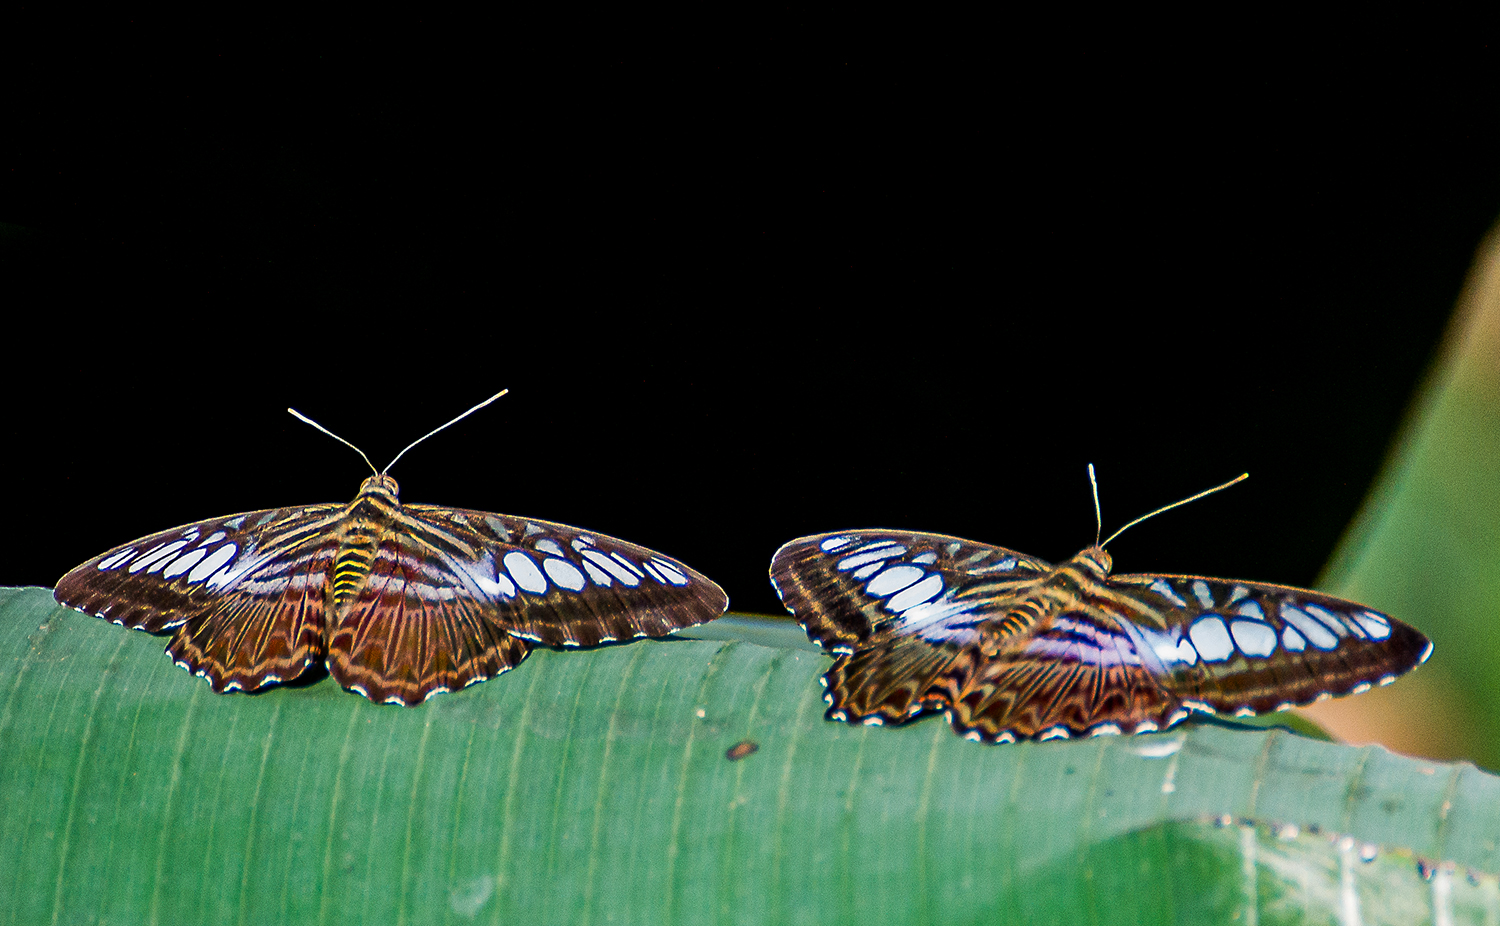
1240, 478
1098, 518
303, 417
440, 427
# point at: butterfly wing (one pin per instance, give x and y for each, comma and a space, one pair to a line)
455, 596
1251, 647
245, 593
903, 612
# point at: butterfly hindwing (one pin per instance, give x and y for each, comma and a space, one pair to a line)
1010, 647
244, 593
411, 632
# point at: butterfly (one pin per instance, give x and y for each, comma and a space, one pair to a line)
1009, 646
400, 602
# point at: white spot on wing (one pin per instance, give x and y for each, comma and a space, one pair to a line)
1253, 638
156, 555
183, 563
117, 559
1293, 640
547, 545
926, 559
1201, 592
1170, 647
628, 565
1164, 589
609, 565
833, 543
886, 551
1317, 634
563, 573
654, 574
599, 576
673, 574
248, 563
893, 580
525, 572
1375, 624
1211, 638
1328, 619
212, 564
924, 591
1251, 608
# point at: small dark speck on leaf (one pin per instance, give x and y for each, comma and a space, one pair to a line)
741, 749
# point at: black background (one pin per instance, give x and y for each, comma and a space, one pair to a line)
737, 297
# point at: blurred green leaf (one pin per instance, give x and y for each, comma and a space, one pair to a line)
1426, 547
594, 786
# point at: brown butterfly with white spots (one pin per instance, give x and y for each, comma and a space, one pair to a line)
1009, 646
400, 602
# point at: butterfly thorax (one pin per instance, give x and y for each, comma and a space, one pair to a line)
1076, 585
363, 523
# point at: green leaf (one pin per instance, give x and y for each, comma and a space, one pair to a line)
1426, 547
594, 786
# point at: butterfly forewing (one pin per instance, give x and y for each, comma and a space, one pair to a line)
1011, 647
559, 585
1262, 647
401, 602
931, 583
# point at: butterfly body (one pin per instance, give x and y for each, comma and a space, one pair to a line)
399, 601
1010, 646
